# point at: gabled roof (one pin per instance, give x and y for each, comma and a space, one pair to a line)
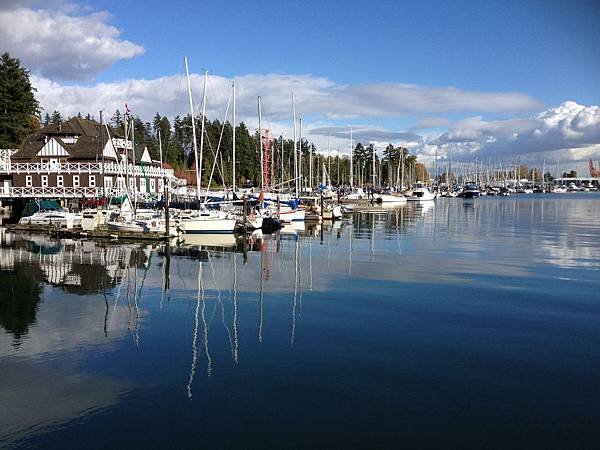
92, 138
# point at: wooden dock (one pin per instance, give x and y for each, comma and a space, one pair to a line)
77, 232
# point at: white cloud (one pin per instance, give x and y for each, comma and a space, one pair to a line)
569, 132
317, 97
63, 41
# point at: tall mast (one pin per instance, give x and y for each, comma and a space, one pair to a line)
300, 157
233, 137
281, 137
373, 165
329, 157
262, 167
198, 176
295, 150
187, 73
310, 168
351, 163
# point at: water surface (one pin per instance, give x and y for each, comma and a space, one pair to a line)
460, 324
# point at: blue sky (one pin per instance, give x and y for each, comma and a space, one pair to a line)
548, 49
470, 77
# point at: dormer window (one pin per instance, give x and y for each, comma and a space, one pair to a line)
70, 139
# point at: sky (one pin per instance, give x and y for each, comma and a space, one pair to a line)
501, 81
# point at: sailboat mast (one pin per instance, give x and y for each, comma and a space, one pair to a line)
373, 174
262, 168
300, 157
281, 137
233, 138
351, 163
198, 176
310, 168
295, 150
187, 73
329, 157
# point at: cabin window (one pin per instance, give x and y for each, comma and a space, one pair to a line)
92, 180
152, 184
44, 181
76, 181
28, 181
60, 181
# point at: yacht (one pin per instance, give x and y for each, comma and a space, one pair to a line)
470, 191
420, 193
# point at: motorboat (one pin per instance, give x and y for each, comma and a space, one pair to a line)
390, 198
421, 193
60, 218
471, 190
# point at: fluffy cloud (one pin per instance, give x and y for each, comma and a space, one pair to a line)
566, 127
317, 97
62, 41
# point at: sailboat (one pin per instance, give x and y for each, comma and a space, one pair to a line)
204, 220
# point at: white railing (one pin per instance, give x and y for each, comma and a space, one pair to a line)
6, 167
70, 192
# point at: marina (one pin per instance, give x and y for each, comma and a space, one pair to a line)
299, 225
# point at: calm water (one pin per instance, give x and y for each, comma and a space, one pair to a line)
468, 324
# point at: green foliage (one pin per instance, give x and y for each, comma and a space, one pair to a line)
18, 107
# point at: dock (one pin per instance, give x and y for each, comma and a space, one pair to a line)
77, 232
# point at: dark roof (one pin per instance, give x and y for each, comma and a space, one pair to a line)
89, 145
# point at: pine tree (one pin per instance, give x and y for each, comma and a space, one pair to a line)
56, 118
18, 107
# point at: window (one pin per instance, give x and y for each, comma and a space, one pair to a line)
28, 181
75, 180
160, 185
152, 184
120, 183
108, 182
142, 185
131, 184
60, 181
92, 180
44, 181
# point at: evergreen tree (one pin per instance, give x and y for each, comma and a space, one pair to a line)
46, 121
116, 121
18, 106
56, 118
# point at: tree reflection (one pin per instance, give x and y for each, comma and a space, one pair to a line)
19, 299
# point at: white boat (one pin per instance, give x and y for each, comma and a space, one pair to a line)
390, 198
287, 215
420, 193
60, 217
560, 189
207, 222
358, 194
153, 225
